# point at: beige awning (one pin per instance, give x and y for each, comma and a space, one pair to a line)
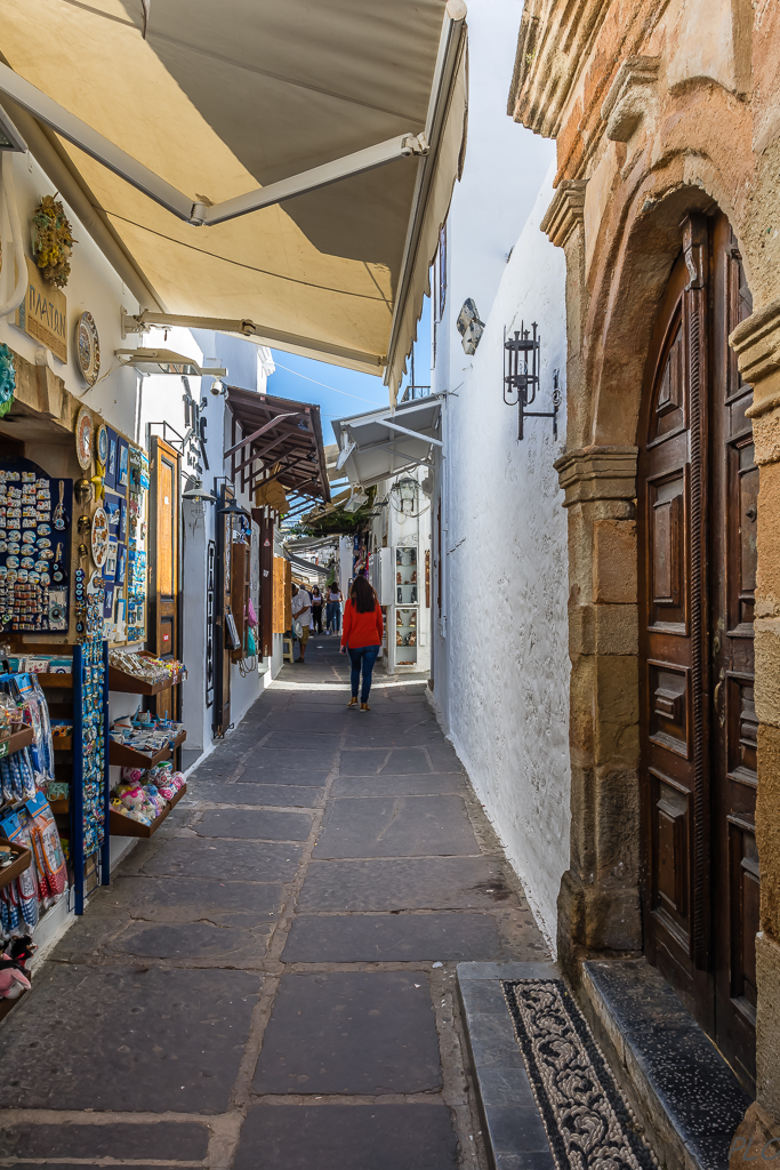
205, 106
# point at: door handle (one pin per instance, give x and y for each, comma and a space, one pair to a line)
720, 708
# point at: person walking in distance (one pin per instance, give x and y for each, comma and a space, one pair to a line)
301, 614
316, 609
333, 609
362, 638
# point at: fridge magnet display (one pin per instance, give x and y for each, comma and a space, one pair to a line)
121, 619
84, 438
122, 464
33, 558
99, 537
110, 565
110, 476
108, 602
87, 348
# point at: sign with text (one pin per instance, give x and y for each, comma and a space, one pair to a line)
43, 313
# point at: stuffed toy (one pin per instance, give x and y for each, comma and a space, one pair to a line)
155, 798
13, 977
137, 805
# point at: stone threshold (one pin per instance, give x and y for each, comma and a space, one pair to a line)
684, 1092
514, 1133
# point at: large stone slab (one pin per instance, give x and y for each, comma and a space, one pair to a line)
47, 1165
443, 756
350, 1032
410, 785
347, 1137
325, 741
293, 765
249, 860
401, 826
114, 1038
277, 795
181, 1141
384, 938
185, 899
417, 883
252, 825
234, 942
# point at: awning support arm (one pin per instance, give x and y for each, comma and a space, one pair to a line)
413, 434
266, 427
358, 163
138, 322
82, 135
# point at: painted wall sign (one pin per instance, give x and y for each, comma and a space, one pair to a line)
43, 314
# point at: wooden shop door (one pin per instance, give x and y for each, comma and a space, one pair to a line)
165, 576
697, 496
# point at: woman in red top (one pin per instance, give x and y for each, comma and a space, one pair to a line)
361, 634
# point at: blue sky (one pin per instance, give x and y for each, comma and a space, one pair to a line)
339, 392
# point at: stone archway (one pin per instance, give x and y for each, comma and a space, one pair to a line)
599, 902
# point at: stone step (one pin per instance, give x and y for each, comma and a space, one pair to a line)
683, 1090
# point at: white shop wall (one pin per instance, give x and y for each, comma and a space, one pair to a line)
500, 654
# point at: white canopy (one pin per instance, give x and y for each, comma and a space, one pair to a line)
281, 166
382, 443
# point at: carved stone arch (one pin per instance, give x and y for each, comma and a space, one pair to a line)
628, 280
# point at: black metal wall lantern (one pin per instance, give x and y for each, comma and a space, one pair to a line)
521, 377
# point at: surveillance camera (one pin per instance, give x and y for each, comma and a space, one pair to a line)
217, 387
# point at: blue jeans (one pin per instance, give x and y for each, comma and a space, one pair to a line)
333, 616
364, 656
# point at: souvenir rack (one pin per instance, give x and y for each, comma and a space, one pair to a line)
22, 856
71, 696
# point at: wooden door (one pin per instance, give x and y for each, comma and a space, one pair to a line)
735, 726
697, 485
165, 575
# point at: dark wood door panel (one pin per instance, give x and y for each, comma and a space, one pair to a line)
697, 507
671, 878
669, 708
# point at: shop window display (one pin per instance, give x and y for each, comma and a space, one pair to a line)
406, 612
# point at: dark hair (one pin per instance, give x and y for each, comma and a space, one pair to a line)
362, 595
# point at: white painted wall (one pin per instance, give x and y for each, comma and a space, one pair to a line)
501, 663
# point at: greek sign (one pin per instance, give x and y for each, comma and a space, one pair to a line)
43, 314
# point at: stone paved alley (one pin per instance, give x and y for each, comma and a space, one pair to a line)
270, 980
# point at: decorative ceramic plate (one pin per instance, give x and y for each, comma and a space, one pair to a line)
84, 437
102, 443
99, 537
87, 348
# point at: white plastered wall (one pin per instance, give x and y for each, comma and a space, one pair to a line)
501, 666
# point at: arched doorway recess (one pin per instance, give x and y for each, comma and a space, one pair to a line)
697, 496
